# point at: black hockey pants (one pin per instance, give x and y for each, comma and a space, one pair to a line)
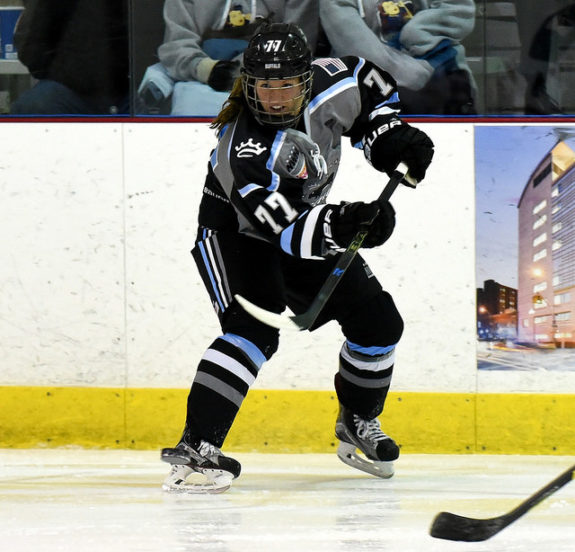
232, 263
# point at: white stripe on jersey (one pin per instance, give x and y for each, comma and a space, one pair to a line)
246, 190
275, 151
308, 232
332, 91
385, 110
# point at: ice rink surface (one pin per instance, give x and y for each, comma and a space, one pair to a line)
110, 501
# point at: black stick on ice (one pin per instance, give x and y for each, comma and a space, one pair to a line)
459, 528
305, 320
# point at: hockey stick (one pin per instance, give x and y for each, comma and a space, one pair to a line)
459, 528
305, 320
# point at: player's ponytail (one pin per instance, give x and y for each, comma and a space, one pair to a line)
232, 107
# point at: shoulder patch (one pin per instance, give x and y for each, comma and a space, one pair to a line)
332, 66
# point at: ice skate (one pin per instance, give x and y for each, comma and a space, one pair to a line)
199, 467
379, 449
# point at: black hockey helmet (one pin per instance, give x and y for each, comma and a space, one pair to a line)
278, 51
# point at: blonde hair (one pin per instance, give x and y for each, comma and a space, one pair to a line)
232, 107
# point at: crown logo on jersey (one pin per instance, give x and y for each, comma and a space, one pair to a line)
250, 149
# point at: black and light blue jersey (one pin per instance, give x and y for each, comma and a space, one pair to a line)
273, 184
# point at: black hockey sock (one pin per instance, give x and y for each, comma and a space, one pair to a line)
224, 376
363, 381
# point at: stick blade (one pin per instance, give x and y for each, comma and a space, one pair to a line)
271, 318
450, 526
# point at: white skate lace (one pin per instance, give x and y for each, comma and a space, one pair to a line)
369, 429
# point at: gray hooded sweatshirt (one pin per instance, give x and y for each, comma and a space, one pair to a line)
190, 22
355, 27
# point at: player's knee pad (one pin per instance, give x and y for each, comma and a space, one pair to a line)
237, 321
375, 323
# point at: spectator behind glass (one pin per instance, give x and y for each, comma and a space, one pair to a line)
78, 51
535, 22
203, 44
416, 41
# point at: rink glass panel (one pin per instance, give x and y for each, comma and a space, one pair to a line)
520, 53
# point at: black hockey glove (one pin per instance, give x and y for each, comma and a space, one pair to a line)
350, 218
401, 143
223, 75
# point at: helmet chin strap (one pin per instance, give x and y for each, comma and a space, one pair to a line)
280, 121
285, 119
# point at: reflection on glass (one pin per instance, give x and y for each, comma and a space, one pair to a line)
458, 57
547, 35
76, 52
521, 55
199, 58
416, 41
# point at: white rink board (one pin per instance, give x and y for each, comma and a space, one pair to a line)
99, 288
62, 268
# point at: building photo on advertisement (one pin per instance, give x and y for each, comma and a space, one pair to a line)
525, 247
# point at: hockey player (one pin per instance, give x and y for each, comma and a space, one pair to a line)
267, 233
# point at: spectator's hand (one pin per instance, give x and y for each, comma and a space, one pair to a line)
402, 143
442, 55
223, 75
350, 218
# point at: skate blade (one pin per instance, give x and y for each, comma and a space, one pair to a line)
206, 481
347, 453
